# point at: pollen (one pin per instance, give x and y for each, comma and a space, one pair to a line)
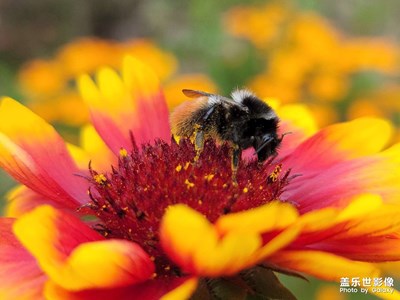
245, 190
187, 165
123, 152
100, 179
273, 177
176, 138
189, 184
209, 177
178, 168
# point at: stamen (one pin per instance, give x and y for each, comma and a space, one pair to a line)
123, 152
131, 199
189, 184
275, 173
100, 179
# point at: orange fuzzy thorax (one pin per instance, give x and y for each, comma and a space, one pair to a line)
181, 118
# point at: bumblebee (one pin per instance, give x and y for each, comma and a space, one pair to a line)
243, 120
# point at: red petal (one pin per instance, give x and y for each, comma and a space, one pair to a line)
133, 104
34, 154
75, 256
149, 290
20, 276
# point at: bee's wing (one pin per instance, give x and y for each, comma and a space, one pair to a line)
196, 94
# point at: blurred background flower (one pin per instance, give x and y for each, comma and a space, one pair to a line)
340, 58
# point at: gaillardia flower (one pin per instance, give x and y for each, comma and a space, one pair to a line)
131, 215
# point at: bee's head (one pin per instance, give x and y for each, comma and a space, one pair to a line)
259, 133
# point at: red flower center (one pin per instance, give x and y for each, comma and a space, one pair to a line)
130, 201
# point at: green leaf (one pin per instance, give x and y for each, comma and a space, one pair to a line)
227, 288
265, 285
258, 283
202, 292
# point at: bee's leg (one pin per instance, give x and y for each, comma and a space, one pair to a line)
236, 155
198, 143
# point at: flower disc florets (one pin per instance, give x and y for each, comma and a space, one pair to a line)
131, 200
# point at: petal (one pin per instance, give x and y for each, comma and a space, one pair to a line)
21, 200
336, 185
324, 223
79, 155
297, 123
366, 230
323, 265
281, 240
92, 150
369, 237
133, 104
339, 142
371, 249
34, 154
51, 235
101, 156
76, 257
273, 220
109, 263
195, 245
150, 290
361, 206
272, 216
184, 291
20, 276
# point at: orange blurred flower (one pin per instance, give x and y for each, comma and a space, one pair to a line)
173, 88
308, 59
42, 77
48, 84
261, 25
